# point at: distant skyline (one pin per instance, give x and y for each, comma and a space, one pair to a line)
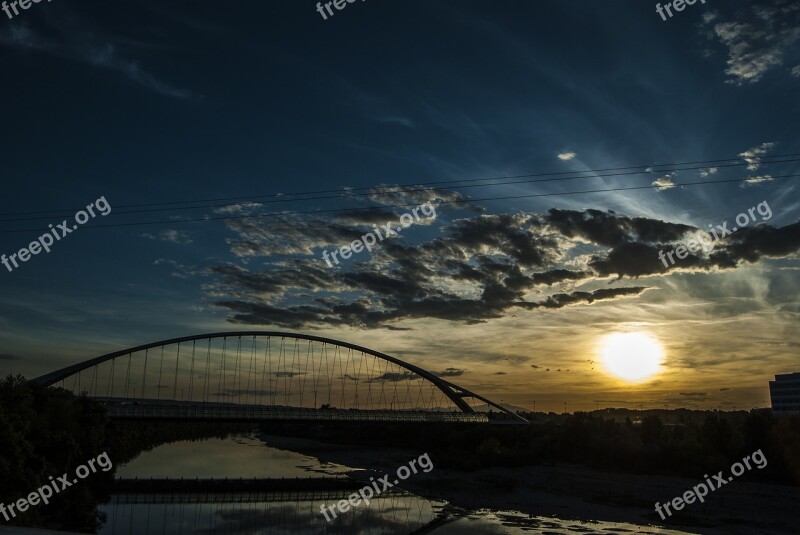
516, 284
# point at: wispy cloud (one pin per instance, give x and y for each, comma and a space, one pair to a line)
170, 235
396, 119
753, 155
98, 54
756, 180
709, 171
757, 39
566, 156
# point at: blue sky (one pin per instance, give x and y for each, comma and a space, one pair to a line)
149, 102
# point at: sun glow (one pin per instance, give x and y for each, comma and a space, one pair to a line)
633, 357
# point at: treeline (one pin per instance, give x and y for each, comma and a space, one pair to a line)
709, 441
45, 432
49, 431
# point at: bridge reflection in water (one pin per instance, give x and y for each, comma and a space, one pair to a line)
262, 506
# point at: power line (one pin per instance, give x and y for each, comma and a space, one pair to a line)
281, 197
338, 210
348, 195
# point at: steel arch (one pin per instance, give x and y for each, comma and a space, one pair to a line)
453, 392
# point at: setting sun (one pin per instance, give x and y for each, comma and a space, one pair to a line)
631, 356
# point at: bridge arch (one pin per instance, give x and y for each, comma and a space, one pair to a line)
305, 382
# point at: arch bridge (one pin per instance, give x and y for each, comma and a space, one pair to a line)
270, 376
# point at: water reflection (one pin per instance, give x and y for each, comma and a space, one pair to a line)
241, 456
397, 514
274, 510
487, 522
393, 515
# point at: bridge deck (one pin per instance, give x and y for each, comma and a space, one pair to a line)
255, 413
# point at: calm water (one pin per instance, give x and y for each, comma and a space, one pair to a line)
299, 512
242, 456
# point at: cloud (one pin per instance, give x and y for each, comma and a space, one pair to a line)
411, 196
724, 389
665, 182
566, 156
287, 374
240, 208
180, 271
471, 270
450, 372
610, 229
575, 298
753, 155
756, 180
9, 356
170, 235
88, 50
694, 394
796, 71
709, 171
757, 39
394, 377
230, 393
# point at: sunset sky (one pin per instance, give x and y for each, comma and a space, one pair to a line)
517, 282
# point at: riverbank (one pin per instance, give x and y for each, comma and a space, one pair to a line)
568, 491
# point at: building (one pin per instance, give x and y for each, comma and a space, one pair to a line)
785, 394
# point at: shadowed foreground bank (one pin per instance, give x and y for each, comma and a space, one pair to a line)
46, 432
703, 443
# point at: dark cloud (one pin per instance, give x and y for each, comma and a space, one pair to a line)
751, 244
368, 216
610, 230
475, 269
9, 356
603, 294
556, 276
693, 394
450, 372
230, 393
394, 377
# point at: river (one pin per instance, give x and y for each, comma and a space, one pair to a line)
293, 511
